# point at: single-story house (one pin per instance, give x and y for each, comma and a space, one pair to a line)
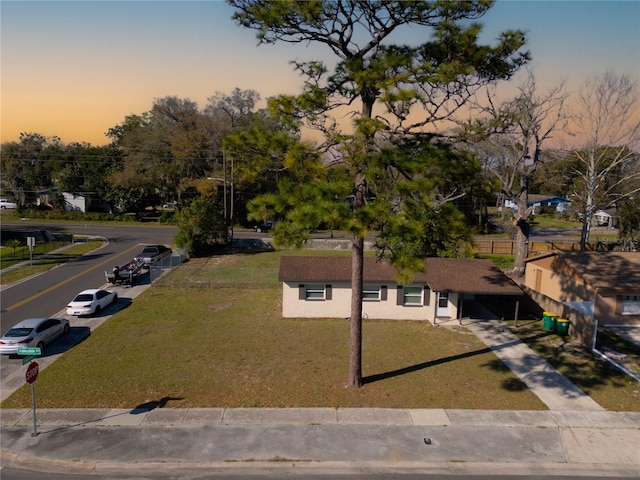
320, 287
536, 201
603, 285
74, 203
604, 218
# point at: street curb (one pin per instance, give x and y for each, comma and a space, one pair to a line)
11, 459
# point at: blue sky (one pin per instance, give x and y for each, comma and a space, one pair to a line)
74, 69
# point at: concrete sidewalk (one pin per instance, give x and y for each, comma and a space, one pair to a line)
163, 440
545, 381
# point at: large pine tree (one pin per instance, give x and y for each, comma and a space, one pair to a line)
418, 87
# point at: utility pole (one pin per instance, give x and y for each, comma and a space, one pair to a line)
224, 185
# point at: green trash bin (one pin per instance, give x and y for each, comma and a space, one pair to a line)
549, 321
562, 327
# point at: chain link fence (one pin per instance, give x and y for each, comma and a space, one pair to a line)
221, 277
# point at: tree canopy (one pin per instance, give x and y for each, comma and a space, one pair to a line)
509, 137
416, 88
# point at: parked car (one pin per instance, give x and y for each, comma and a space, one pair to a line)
91, 301
152, 254
33, 332
4, 203
264, 227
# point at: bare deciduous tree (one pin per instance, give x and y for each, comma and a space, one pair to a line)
607, 120
509, 137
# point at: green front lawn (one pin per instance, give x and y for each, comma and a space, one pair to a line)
503, 262
542, 222
230, 347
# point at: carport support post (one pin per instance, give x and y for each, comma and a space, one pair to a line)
33, 403
515, 322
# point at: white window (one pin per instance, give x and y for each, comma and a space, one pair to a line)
442, 308
630, 305
315, 291
371, 292
412, 295
443, 300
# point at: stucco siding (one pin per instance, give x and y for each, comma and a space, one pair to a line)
607, 310
564, 278
339, 306
540, 278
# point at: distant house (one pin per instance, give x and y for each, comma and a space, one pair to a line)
74, 203
320, 287
602, 285
604, 218
88, 202
561, 205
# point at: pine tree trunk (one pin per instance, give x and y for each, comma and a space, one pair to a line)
357, 269
355, 332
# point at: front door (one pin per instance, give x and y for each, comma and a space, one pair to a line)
442, 310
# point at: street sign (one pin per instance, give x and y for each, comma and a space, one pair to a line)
28, 359
32, 372
29, 351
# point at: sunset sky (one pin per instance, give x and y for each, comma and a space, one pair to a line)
74, 69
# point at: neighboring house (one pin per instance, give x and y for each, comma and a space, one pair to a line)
604, 218
320, 287
602, 285
87, 202
74, 203
561, 205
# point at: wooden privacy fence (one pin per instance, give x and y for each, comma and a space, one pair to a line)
508, 247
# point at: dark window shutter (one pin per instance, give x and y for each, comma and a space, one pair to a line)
327, 292
427, 295
302, 292
383, 293
400, 296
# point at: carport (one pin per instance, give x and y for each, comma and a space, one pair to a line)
474, 280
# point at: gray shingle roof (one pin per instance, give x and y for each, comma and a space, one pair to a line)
441, 274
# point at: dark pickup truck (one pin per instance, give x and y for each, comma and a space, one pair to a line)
152, 254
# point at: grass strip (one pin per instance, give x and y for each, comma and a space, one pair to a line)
230, 347
50, 261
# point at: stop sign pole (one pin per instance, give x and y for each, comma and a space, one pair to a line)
31, 376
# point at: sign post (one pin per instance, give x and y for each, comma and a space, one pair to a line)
31, 241
31, 376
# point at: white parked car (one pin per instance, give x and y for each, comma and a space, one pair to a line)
4, 203
33, 332
91, 301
